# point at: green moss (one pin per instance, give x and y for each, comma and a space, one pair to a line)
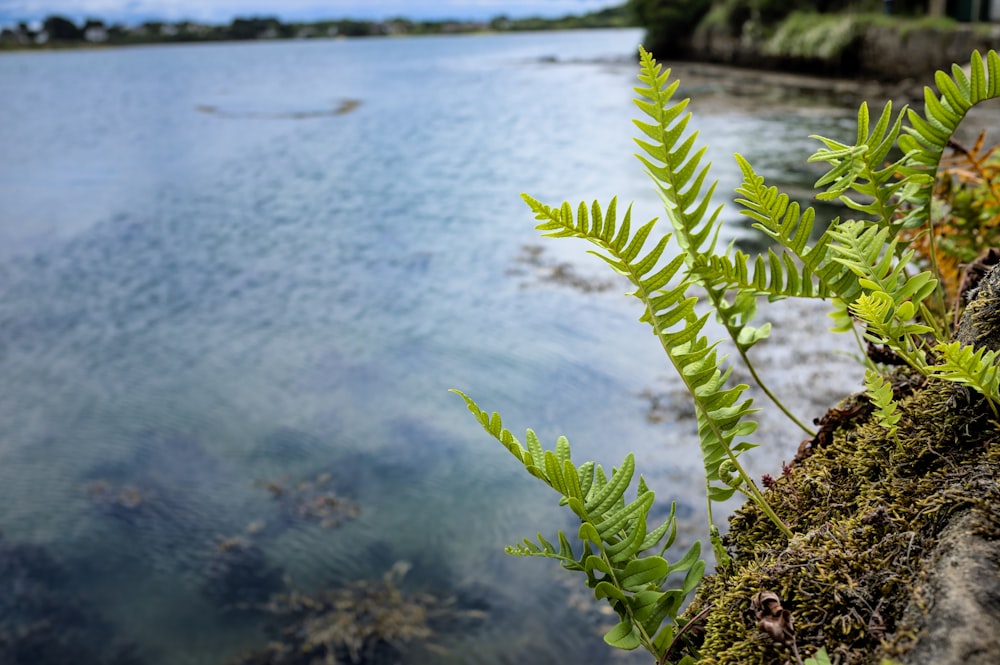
867, 508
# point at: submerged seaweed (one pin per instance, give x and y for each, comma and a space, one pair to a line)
365, 623
239, 577
41, 623
314, 501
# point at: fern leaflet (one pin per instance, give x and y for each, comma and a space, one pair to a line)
880, 393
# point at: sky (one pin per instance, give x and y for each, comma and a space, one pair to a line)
223, 11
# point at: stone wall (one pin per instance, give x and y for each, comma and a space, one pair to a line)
894, 55
884, 53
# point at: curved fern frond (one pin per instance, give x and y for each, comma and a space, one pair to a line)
613, 536
925, 139
891, 299
773, 275
879, 391
800, 270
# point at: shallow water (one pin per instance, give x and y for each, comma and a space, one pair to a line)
195, 303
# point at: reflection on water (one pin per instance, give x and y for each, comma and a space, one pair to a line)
226, 342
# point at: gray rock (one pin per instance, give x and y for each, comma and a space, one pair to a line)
960, 618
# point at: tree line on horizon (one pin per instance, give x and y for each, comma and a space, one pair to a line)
56, 30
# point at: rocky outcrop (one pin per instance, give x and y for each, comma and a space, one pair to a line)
896, 552
958, 620
956, 615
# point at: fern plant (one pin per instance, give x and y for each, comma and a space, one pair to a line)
613, 535
862, 266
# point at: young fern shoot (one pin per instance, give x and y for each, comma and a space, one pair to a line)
879, 391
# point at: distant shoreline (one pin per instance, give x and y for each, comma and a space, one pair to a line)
59, 33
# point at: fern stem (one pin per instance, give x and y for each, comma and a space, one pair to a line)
752, 491
644, 638
777, 402
868, 362
751, 487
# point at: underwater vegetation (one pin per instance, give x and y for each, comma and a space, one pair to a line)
343, 107
120, 500
368, 622
314, 501
159, 511
540, 269
42, 623
239, 576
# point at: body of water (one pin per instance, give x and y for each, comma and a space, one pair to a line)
236, 283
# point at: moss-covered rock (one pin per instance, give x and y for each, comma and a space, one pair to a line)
865, 575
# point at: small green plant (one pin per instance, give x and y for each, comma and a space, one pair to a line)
879, 391
821, 658
863, 266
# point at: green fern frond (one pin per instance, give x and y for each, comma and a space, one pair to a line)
891, 299
800, 270
861, 168
774, 214
675, 165
662, 286
613, 534
976, 368
677, 171
771, 274
925, 139
869, 253
662, 289
889, 324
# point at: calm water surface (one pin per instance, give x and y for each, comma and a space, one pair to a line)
211, 280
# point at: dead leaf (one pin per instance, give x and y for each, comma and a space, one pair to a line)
772, 618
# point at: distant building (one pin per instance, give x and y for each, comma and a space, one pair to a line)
96, 34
